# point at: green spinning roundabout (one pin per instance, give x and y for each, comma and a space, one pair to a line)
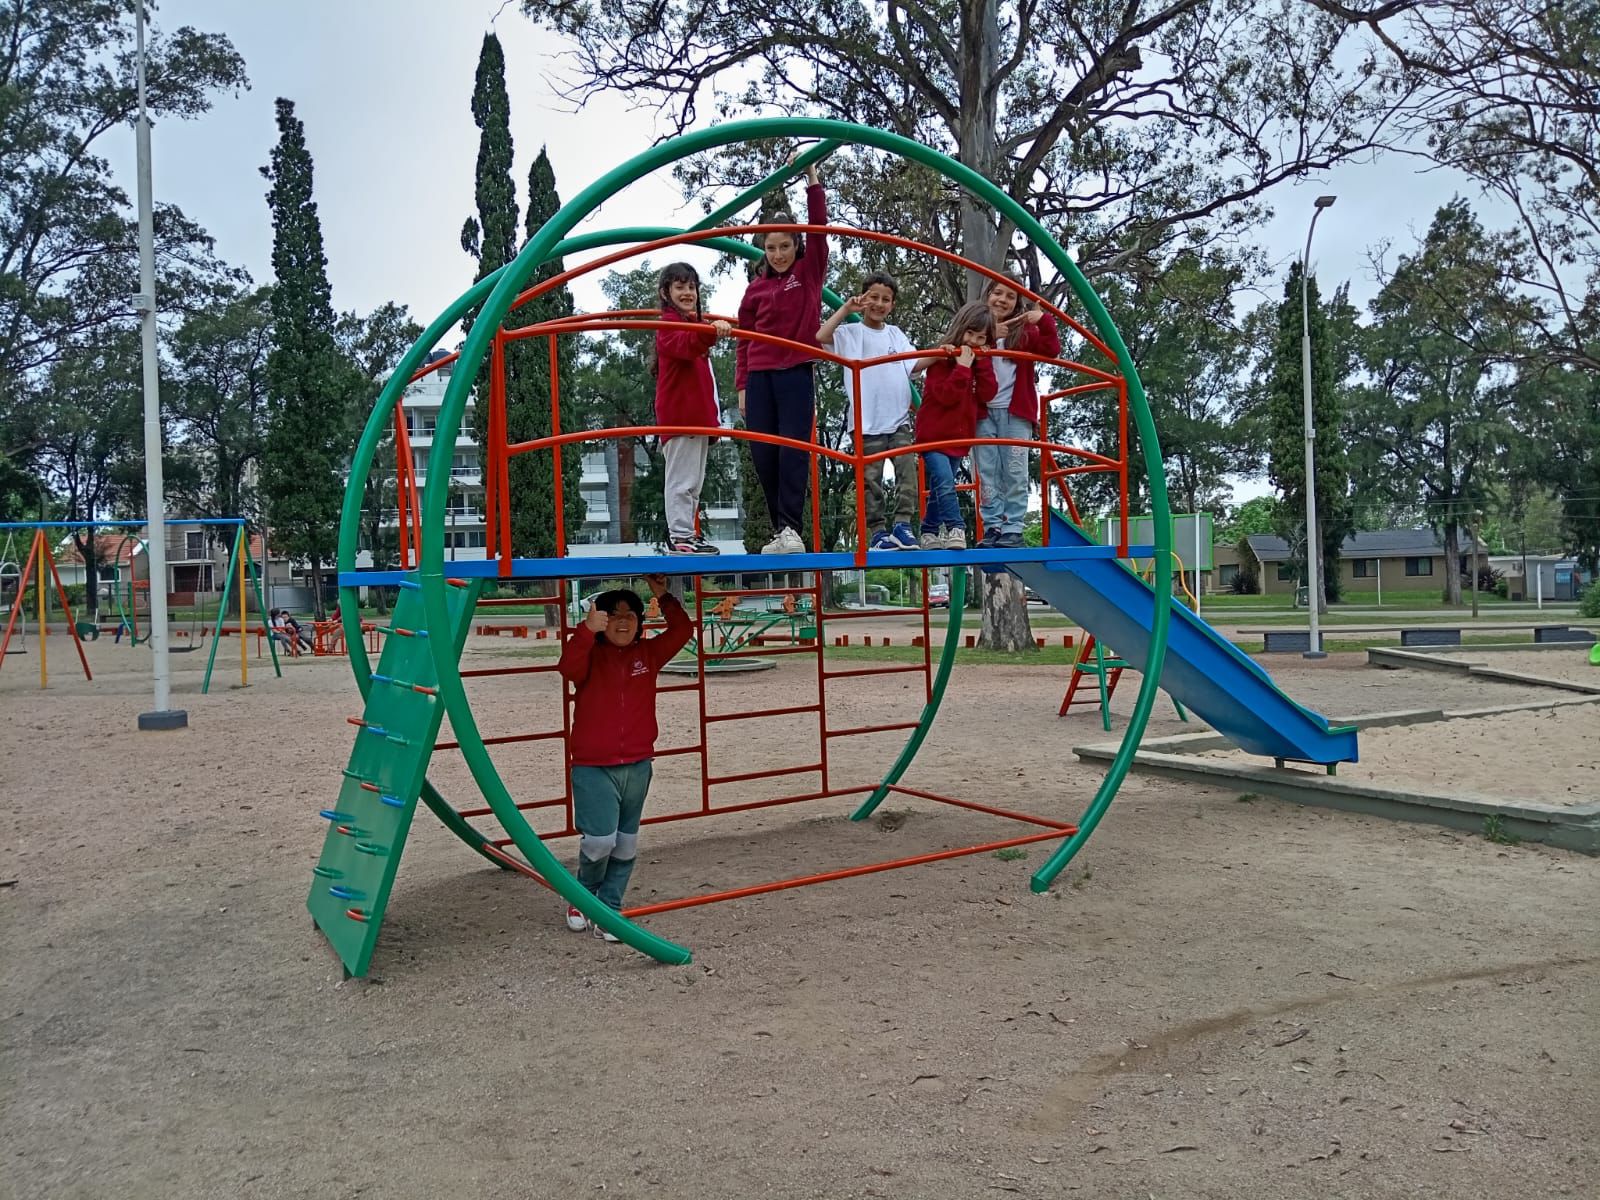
418, 679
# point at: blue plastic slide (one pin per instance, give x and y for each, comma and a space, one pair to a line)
1203, 670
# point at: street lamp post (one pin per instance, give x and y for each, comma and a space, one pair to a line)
1313, 542
163, 716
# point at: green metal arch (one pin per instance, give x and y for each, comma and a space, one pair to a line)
496, 295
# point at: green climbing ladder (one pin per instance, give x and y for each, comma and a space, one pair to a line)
388, 766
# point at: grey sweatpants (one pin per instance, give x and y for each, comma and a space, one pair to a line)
685, 475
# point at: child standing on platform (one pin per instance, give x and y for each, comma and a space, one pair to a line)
885, 404
777, 384
1012, 413
957, 392
685, 395
613, 669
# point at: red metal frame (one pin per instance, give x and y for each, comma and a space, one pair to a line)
499, 451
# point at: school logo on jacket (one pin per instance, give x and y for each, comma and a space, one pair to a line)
791, 283
639, 667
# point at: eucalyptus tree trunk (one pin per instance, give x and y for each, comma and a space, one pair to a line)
1005, 615
977, 137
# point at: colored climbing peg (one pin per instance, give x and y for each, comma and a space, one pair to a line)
372, 848
331, 814
392, 801
327, 872
341, 892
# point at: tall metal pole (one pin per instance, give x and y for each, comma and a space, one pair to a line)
164, 716
1313, 541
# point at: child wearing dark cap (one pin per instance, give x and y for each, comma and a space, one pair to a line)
613, 670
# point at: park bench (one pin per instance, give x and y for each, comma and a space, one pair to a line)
1543, 634
1430, 635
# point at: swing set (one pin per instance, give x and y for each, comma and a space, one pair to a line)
242, 575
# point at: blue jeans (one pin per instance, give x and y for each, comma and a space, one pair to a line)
939, 469
1002, 472
607, 803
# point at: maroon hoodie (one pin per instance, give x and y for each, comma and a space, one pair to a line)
614, 713
787, 305
684, 393
953, 399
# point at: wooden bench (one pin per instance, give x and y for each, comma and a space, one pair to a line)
1430, 635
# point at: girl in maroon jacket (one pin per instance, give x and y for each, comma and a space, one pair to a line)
613, 670
1012, 413
777, 388
685, 395
956, 393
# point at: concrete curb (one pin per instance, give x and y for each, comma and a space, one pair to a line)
1570, 827
1383, 656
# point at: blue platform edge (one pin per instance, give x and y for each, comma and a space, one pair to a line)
629, 566
1203, 670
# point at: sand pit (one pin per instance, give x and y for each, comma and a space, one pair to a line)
1218, 1000
1568, 663
1540, 756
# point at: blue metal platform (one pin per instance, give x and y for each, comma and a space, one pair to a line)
628, 566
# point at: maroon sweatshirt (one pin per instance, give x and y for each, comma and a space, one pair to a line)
1043, 339
787, 305
684, 393
953, 399
614, 715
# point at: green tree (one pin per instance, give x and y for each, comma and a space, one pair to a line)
1283, 405
67, 232
491, 238
1449, 325
310, 381
1257, 515
216, 391
91, 446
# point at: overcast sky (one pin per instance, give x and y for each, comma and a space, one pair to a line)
384, 88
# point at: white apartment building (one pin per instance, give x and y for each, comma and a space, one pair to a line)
466, 530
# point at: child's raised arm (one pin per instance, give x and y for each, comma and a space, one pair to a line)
679, 630
574, 665
840, 315
815, 262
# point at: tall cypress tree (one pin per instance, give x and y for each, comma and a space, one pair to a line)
528, 408
1286, 430
491, 238
310, 383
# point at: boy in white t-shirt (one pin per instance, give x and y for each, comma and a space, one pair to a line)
885, 404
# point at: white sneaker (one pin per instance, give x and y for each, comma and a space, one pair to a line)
576, 921
932, 540
777, 545
602, 935
791, 542
955, 538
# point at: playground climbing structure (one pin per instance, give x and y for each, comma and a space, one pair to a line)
418, 681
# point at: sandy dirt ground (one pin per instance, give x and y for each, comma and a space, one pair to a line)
1218, 999
1542, 756
1569, 663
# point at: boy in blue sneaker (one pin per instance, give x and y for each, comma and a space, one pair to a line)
885, 404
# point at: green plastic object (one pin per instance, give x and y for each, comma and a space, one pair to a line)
493, 297
1594, 655
368, 824
941, 679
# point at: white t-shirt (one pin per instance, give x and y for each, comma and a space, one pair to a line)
1005, 376
886, 388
